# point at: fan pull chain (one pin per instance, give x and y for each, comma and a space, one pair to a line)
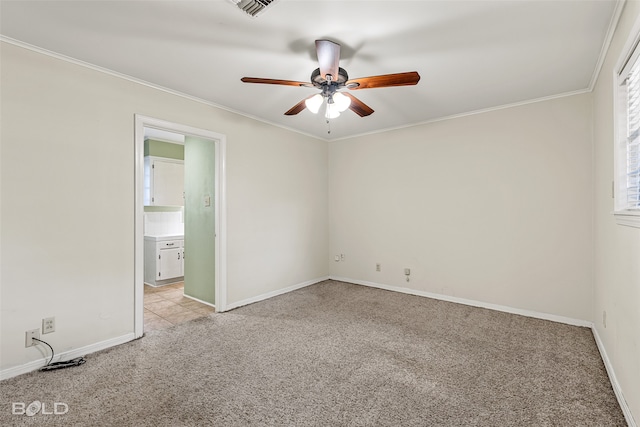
328, 126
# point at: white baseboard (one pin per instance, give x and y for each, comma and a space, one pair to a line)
71, 354
67, 355
272, 294
199, 300
474, 303
614, 380
545, 316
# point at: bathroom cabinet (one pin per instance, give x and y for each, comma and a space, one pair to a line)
163, 181
164, 260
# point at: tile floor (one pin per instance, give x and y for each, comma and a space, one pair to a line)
165, 306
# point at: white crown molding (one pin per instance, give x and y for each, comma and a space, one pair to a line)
93, 67
613, 25
469, 113
240, 113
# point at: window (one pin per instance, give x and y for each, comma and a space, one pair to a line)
627, 151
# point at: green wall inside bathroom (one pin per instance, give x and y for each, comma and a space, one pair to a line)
168, 150
199, 219
163, 208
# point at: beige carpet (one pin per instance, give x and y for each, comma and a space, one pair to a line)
335, 354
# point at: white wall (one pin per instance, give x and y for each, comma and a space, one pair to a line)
67, 240
498, 207
617, 248
493, 207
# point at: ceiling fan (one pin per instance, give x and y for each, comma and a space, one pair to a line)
330, 78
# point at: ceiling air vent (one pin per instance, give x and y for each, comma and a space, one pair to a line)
253, 7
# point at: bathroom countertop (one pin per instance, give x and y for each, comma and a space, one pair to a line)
163, 237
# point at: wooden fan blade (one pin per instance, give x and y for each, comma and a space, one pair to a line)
385, 80
358, 107
274, 82
298, 107
328, 58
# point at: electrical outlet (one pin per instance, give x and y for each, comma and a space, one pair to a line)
48, 325
378, 267
336, 258
341, 257
407, 271
33, 333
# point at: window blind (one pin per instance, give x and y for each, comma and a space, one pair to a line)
633, 137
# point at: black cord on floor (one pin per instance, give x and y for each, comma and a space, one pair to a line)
52, 352
59, 365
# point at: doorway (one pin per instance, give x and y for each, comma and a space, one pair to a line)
213, 143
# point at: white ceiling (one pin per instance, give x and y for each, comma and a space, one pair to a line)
471, 55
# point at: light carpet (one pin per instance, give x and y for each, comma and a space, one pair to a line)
335, 354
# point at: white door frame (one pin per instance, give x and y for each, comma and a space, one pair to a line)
220, 209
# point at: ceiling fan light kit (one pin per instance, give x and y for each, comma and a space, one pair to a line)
313, 104
331, 112
341, 101
331, 79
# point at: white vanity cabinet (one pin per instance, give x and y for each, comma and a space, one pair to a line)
163, 260
163, 182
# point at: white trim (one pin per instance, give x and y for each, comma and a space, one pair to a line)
622, 216
613, 24
138, 229
473, 303
92, 348
627, 50
220, 207
614, 380
468, 113
221, 226
222, 107
199, 300
275, 293
528, 313
67, 355
630, 219
146, 83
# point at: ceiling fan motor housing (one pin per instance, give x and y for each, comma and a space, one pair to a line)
319, 81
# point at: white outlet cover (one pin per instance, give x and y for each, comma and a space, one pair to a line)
33, 333
48, 321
